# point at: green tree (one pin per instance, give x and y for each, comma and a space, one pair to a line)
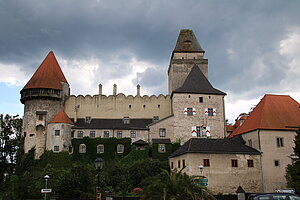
10, 134
293, 170
173, 186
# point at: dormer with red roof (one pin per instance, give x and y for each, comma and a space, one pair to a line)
59, 133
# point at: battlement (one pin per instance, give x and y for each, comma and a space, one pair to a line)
118, 106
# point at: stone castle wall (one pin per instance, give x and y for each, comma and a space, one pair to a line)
181, 65
34, 130
183, 123
118, 106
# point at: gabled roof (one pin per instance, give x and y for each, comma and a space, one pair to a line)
140, 142
197, 83
161, 141
135, 124
49, 75
61, 117
215, 146
274, 112
187, 42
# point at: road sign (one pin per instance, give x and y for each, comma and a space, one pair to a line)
203, 180
46, 190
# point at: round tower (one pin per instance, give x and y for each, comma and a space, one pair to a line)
43, 97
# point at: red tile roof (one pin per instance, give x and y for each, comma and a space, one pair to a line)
276, 112
48, 75
229, 128
61, 117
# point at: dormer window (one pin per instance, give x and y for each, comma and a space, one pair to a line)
155, 118
126, 120
88, 119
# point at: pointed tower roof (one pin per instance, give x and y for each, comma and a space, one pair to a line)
187, 42
61, 117
197, 83
48, 75
274, 112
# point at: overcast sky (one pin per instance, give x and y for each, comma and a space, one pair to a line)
253, 47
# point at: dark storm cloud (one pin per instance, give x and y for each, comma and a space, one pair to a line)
239, 36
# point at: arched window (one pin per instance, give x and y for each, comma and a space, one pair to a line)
120, 148
100, 148
82, 148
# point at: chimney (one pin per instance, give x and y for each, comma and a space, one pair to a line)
138, 90
115, 90
100, 89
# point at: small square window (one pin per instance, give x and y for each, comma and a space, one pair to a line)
88, 119
279, 141
100, 148
133, 134
126, 120
106, 134
276, 163
206, 163
162, 132
250, 163
155, 118
189, 111
80, 134
120, 148
92, 134
56, 148
82, 148
210, 111
200, 99
57, 132
70, 149
119, 134
161, 148
234, 163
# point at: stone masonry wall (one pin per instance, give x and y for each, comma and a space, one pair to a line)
222, 177
118, 106
180, 68
183, 123
36, 135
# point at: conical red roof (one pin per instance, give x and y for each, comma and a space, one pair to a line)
275, 112
61, 117
48, 75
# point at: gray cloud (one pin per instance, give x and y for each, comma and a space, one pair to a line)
241, 38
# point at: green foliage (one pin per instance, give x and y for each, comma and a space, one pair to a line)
134, 156
68, 179
293, 170
10, 136
175, 186
110, 148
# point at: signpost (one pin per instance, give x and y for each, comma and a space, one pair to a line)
46, 190
202, 181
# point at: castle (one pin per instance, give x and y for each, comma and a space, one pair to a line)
192, 113
193, 108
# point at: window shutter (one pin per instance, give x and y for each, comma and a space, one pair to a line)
206, 111
194, 111
194, 131
214, 112
207, 131
185, 111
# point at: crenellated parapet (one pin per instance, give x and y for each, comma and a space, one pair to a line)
118, 106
